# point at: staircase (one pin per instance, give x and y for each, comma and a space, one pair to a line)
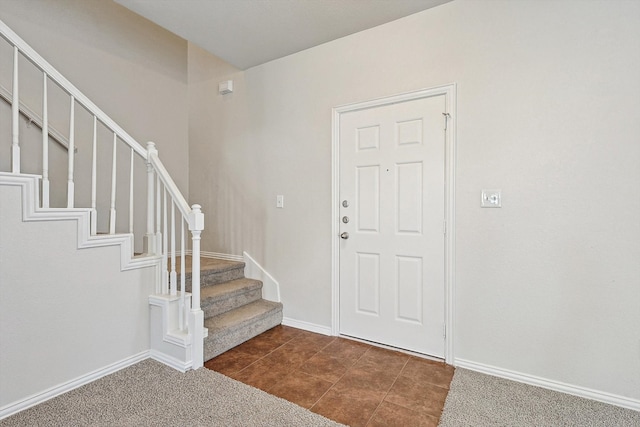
218, 292
233, 307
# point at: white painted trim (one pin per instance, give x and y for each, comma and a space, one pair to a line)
170, 334
450, 218
172, 362
449, 91
31, 212
217, 255
270, 286
306, 326
587, 393
335, 221
52, 392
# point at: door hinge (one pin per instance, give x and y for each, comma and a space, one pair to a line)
447, 116
444, 330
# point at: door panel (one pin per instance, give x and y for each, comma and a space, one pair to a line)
392, 265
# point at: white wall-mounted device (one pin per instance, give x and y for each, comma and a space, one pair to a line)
225, 87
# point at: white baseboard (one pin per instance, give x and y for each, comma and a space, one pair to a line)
311, 327
52, 392
217, 255
587, 393
270, 286
171, 361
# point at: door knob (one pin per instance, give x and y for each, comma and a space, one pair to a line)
345, 235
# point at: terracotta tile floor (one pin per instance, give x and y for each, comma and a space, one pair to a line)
344, 380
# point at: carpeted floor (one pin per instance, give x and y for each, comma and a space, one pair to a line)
152, 394
482, 400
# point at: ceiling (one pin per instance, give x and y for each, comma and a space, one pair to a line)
246, 33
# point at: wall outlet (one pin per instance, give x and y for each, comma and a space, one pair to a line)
280, 201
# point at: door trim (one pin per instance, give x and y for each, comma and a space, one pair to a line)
449, 92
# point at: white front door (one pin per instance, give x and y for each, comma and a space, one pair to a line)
392, 213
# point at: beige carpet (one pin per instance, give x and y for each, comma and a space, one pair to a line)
152, 394
482, 400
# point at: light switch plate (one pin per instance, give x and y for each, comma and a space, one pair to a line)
491, 199
280, 201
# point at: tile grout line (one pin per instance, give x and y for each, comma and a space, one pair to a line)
387, 393
263, 356
275, 349
316, 353
342, 376
297, 369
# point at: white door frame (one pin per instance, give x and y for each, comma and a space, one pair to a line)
449, 92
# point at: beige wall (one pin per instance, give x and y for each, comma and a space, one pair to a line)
548, 102
63, 317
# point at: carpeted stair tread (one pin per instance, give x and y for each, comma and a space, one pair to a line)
234, 327
216, 271
228, 289
241, 315
223, 297
209, 264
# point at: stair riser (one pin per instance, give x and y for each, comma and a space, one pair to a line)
215, 277
214, 308
216, 344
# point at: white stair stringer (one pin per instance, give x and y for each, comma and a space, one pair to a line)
31, 212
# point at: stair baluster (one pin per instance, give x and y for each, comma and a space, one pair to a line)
94, 162
70, 155
172, 275
165, 245
15, 115
131, 192
112, 209
45, 144
183, 310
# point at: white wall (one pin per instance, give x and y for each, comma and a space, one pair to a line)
548, 111
64, 316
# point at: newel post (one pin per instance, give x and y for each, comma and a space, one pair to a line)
196, 316
150, 236
196, 225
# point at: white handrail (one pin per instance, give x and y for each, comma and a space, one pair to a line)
37, 60
165, 178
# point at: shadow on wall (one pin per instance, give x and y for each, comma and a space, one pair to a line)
239, 219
